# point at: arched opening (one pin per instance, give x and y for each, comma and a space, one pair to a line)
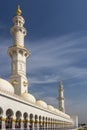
18, 119
43, 123
1, 112
25, 115
46, 123
31, 122
51, 123
40, 123
36, 122
57, 126
8, 122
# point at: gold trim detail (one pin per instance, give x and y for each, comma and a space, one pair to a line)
18, 11
14, 82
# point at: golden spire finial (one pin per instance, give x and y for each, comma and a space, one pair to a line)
18, 12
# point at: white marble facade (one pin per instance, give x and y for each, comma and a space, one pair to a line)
18, 108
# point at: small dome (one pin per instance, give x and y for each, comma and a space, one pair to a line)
50, 107
57, 111
41, 103
67, 116
6, 86
29, 97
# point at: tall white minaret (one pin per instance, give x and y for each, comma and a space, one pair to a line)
18, 54
61, 97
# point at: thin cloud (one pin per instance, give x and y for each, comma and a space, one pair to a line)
59, 56
2, 26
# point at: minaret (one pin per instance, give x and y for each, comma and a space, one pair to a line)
18, 54
61, 97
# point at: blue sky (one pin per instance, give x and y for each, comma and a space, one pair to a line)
57, 40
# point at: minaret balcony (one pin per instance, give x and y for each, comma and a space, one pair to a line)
17, 28
17, 49
60, 98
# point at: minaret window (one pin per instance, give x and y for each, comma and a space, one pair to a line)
20, 30
24, 32
26, 54
16, 22
19, 23
21, 52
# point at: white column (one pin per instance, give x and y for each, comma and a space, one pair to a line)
13, 123
3, 122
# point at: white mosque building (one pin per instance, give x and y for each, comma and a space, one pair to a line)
18, 108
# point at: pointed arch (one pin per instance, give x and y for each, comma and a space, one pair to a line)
9, 118
18, 119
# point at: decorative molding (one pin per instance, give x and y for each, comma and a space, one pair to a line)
25, 83
14, 82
